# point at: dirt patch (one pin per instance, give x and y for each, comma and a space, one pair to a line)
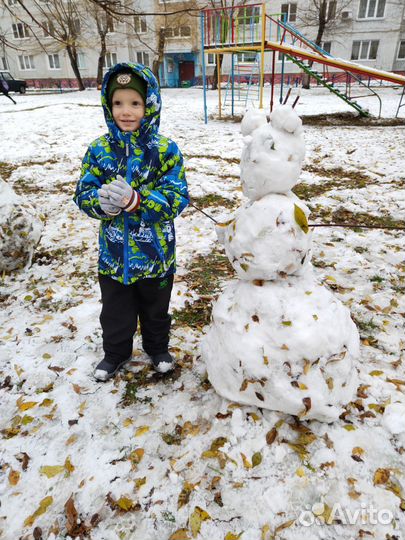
347, 119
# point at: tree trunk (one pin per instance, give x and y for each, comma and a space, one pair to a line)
215, 76
71, 50
158, 61
318, 40
100, 62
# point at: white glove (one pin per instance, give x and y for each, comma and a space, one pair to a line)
122, 195
106, 205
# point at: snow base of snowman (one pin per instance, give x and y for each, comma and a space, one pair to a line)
287, 346
278, 339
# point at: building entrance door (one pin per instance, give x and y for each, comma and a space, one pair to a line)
186, 71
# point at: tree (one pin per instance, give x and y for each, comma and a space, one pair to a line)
324, 15
167, 23
59, 19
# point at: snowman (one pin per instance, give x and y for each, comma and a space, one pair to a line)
278, 339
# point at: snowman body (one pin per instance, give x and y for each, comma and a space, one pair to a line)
278, 339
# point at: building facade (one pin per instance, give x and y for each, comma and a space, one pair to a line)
371, 32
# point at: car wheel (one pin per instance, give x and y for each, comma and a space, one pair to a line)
22, 89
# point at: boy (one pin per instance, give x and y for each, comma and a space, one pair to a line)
133, 181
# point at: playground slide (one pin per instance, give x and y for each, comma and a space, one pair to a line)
336, 62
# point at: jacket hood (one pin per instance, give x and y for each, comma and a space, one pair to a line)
150, 122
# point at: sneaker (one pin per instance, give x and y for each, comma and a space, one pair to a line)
162, 362
105, 369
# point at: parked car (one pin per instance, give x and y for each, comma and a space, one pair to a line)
14, 85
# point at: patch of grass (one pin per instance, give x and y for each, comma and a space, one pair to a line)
341, 215
145, 378
205, 274
6, 170
213, 199
365, 327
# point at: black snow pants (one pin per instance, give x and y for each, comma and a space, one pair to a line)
146, 299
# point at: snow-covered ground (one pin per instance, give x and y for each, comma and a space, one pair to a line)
146, 458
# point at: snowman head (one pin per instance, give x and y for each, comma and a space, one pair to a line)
273, 153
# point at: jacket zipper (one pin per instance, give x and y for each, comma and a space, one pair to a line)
126, 234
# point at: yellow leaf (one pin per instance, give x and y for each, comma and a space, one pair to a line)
301, 218
349, 427
46, 402
51, 470
376, 373
286, 323
300, 472
82, 408
246, 462
180, 534
72, 439
25, 420
127, 422
139, 482
69, 468
141, 430
232, 536
125, 503
265, 532
256, 459
14, 477
42, 508
27, 405
46, 356
302, 386
283, 526
136, 455
381, 476
197, 517
358, 451
209, 454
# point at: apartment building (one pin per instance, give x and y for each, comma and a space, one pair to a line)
370, 32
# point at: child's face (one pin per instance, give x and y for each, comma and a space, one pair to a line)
128, 109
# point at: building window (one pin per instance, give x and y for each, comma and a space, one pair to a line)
107, 23
246, 57
248, 15
110, 59
140, 24
26, 62
364, 50
21, 31
48, 29
81, 61
142, 58
401, 50
326, 46
331, 10
289, 12
179, 31
371, 9
3, 62
53, 61
210, 59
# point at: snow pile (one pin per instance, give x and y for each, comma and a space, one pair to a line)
20, 229
278, 339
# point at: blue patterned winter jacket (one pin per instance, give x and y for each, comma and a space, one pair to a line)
141, 244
